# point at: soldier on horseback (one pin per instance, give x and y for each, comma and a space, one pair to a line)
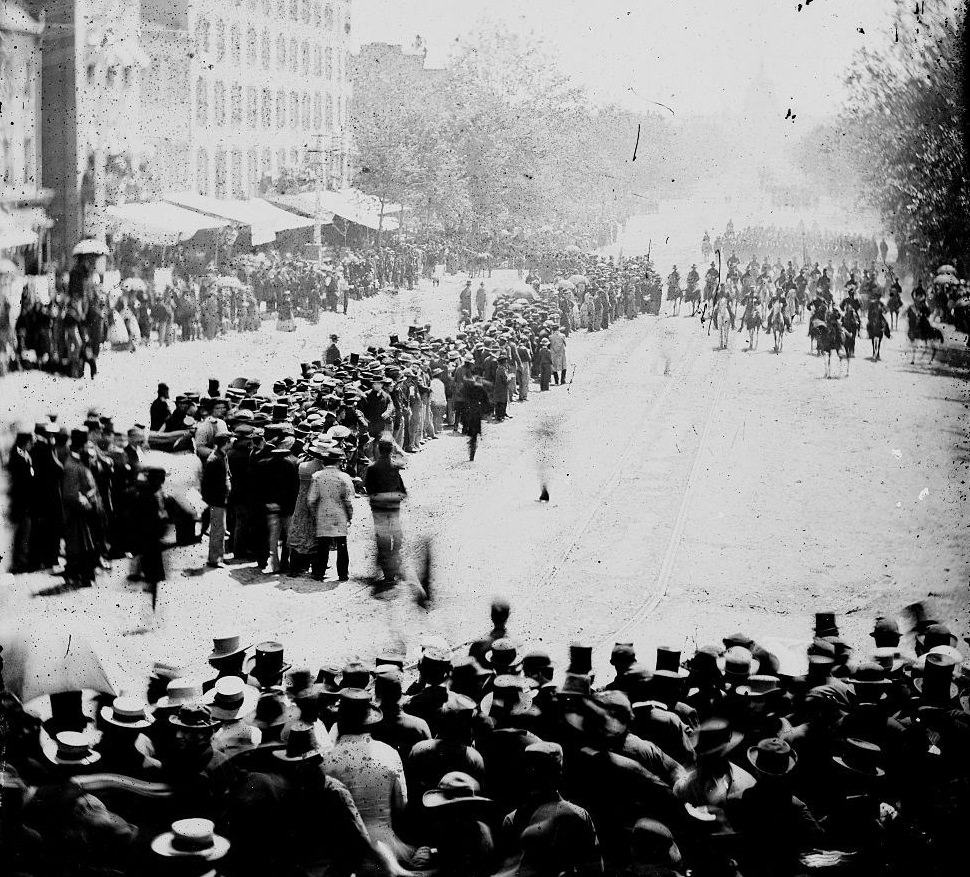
877, 325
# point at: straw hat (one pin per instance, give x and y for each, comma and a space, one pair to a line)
230, 698
191, 838
127, 712
69, 748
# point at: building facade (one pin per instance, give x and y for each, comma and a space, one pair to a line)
22, 222
268, 80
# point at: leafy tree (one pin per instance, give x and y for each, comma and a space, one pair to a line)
907, 113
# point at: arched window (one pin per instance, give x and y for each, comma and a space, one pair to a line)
201, 102
294, 56
202, 172
219, 104
317, 111
305, 58
281, 52
202, 35
253, 163
236, 40
267, 115
328, 16
236, 105
220, 39
280, 109
265, 50
305, 110
237, 174
252, 46
222, 175
294, 110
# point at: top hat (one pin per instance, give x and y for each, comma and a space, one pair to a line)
266, 665
66, 712
772, 757
70, 748
936, 634
230, 698
668, 663
301, 744
127, 712
536, 660
226, 646
193, 839
576, 685
455, 787
355, 704
715, 737
355, 674
861, 757
825, 624
936, 685
580, 659
920, 615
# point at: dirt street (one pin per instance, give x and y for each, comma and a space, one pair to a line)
693, 492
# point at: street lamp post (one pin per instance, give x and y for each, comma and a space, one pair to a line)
320, 151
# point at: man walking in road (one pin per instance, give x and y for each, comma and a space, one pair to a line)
215, 494
385, 489
480, 300
331, 499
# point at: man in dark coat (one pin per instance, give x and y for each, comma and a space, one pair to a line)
21, 492
240, 493
500, 388
150, 521
215, 494
277, 485
48, 519
386, 490
332, 353
81, 510
160, 410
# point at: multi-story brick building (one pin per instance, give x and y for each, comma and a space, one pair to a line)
268, 80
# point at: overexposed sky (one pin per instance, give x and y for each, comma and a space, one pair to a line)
695, 56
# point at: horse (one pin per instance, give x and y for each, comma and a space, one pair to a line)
777, 324
830, 337
877, 326
894, 306
751, 320
920, 329
851, 324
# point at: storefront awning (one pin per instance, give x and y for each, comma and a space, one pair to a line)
156, 222
19, 227
263, 219
349, 204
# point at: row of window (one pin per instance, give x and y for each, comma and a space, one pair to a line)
292, 55
306, 11
229, 181
317, 111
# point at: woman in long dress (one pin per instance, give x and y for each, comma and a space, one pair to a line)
302, 536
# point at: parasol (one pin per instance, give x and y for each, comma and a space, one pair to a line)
227, 281
8, 267
90, 247
572, 248
946, 269
50, 653
133, 284
945, 279
565, 284
578, 279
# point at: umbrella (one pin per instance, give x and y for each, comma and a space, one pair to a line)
52, 652
565, 284
229, 282
90, 247
572, 248
946, 269
579, 278
133, 284
8, 267
945, 279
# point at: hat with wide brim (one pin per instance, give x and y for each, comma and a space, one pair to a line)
181, 842
90, 247
127, 712
715, 737
69, 749
226, 705
773, 764
453, 794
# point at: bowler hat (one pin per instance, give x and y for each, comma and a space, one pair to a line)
193, 717
226, 646
455, 787
355, 705
301, 744
737, 664
861, 757
772, 757
355, 674
715, 737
